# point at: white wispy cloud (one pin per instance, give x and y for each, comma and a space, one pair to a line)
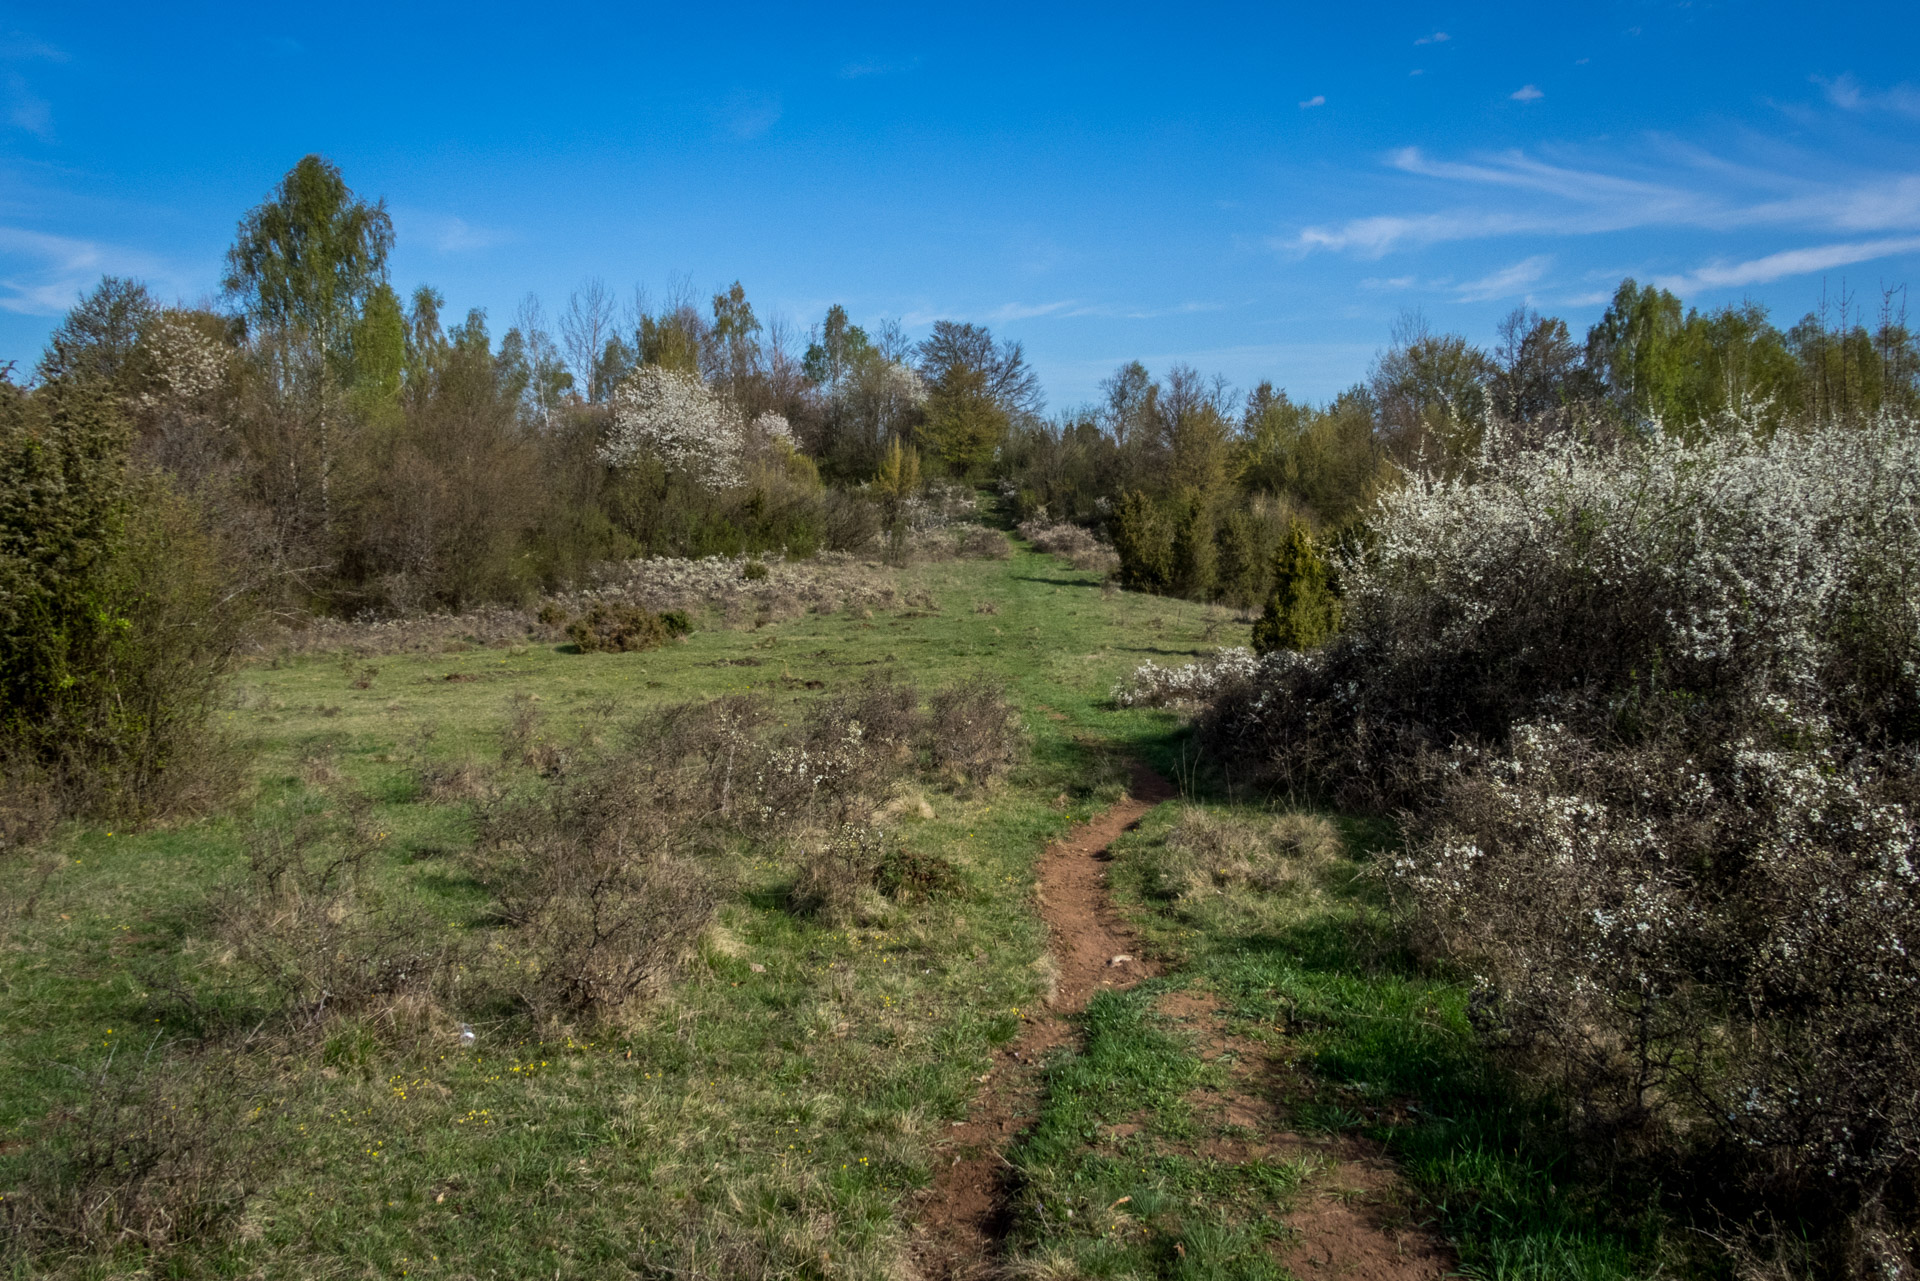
44, 274
1788, 262
861, 70
18, 46
1438, 37
1318, 100
446, 233
748, 114
1508, 281
1573, 200
1846, 93
1527, 93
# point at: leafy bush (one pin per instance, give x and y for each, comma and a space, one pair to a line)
1302, 609
117, 617
1143, 540
1652, 710
624, 629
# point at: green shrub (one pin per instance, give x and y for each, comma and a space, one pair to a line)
1143, 540
118, 618
624, 629
1302, 609
1243, 563
1192, 547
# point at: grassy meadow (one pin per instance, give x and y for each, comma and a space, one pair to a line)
774, 1111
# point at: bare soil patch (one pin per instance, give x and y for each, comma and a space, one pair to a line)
961, 1216
1355, 1220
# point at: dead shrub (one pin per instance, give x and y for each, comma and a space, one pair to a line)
1075, 543
307, 925
524, 742
837, 873
977, 542
973, 733
989, 607
849, 751
697, 761
29, 805
605, 889
161, 1153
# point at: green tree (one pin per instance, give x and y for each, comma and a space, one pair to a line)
895, 484
840, 349
1143, 539
100, 338
1192, 545
1430, 394
1242, 561
308, 258
965, 425
302, 270
1302, 609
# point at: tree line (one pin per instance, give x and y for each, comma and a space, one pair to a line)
314, 441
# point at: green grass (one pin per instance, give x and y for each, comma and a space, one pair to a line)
772, 1114
757, 1121
1316, 969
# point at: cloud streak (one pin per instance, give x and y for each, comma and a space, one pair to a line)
1788, 262
45, 274
1564, 200
1507, 281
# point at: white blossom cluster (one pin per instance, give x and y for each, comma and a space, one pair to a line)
186, 363
770, 427
1737, 552
1687, 868
677, 418
1584, 887
1152, 685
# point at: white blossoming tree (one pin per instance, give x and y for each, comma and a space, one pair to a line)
677, 418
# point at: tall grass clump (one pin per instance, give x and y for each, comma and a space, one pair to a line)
1653, 711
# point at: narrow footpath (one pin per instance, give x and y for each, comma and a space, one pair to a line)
963, 1215
1355, 1228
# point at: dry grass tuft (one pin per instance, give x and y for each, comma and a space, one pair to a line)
1209, 852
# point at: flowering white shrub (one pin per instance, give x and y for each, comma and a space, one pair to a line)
676, 417
1654, 711
771, 427
1152, 685
186, 363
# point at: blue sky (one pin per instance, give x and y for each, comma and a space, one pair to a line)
1256, 190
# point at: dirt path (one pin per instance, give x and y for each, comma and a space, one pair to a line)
961, 1217
1354, 1226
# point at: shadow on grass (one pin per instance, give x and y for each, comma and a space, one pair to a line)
1392, 1053
1080, 581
